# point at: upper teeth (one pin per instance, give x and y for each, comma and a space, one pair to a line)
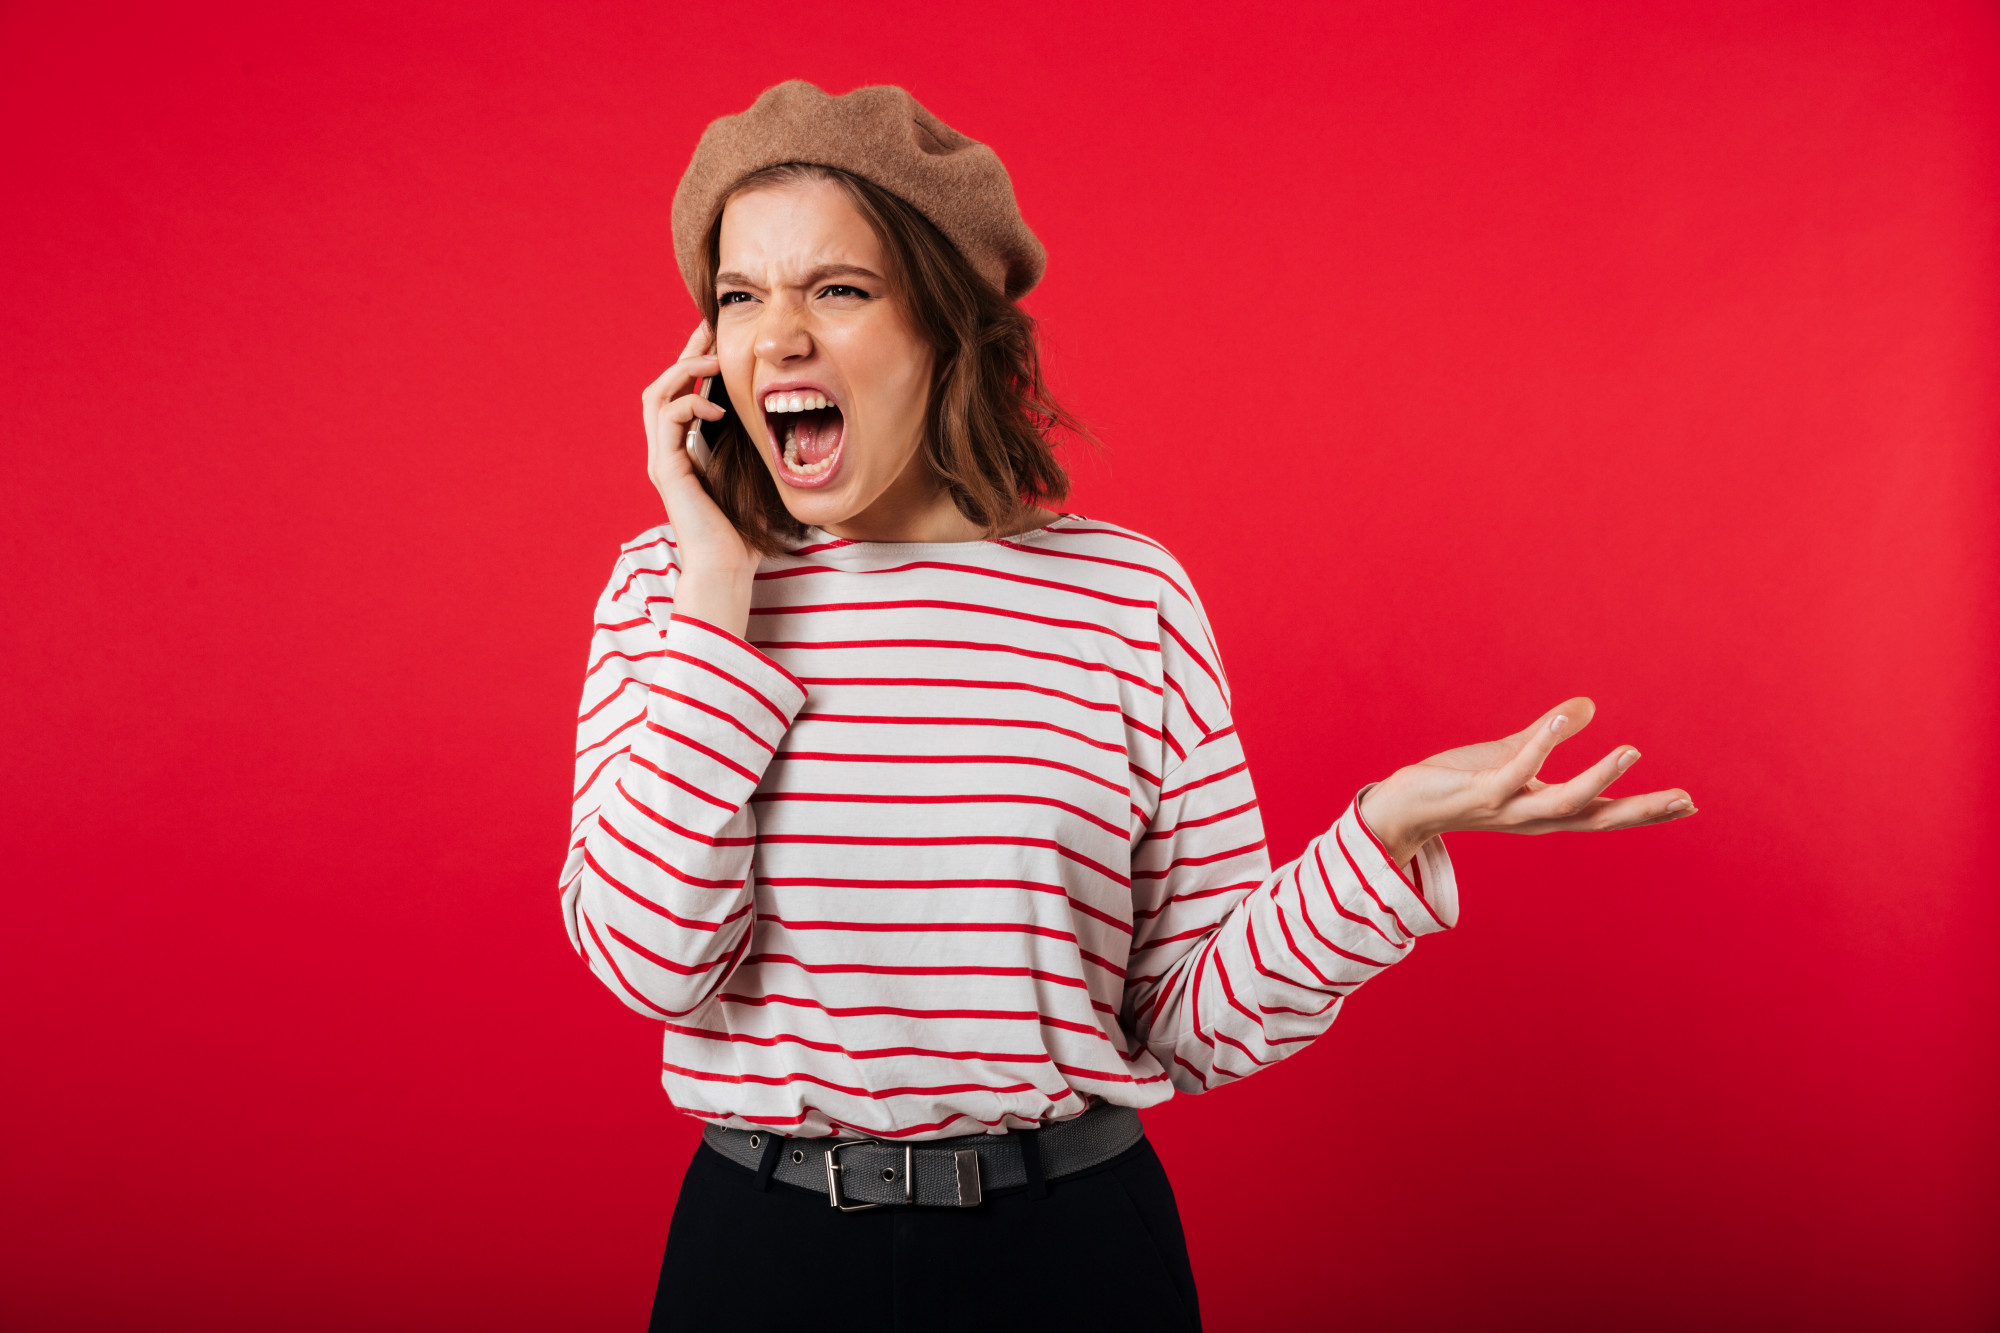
795, 402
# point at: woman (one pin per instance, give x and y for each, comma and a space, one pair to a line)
913, 807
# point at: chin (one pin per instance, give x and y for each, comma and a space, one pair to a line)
820, 507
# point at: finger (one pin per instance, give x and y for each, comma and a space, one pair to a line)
1666, 818
668, 463
669, 440
1605, 813
1541, 737
1579, 709
1659, 807
679, 414
700, 347
679, 377
1563, 799
689, 366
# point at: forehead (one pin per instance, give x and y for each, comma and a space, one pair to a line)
786, 230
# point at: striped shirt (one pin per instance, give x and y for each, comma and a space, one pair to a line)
959, 838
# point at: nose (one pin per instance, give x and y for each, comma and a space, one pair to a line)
782, 336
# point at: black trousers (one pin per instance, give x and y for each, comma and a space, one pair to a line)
1102, 1249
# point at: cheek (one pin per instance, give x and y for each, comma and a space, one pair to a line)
738, 373
913, 388
888, 371
895, 419
902, 386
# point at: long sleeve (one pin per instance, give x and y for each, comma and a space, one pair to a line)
678, 722
1234, 965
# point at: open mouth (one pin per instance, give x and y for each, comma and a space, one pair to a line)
807, 430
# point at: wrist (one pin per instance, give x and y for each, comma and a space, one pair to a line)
721, 599
710, 571
1383, 816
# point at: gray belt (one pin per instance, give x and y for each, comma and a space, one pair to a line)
867, 1173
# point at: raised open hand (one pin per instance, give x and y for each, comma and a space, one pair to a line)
1494, 785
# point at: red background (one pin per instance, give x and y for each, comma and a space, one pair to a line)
1468, 356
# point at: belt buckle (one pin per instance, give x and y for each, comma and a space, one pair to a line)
834, 1168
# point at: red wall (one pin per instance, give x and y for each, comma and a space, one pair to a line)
1469, 356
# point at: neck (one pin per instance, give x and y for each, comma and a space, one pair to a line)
941, 523
929, 516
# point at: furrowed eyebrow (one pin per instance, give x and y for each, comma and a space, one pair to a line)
825, 271
817, 275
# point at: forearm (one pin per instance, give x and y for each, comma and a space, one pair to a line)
1267, 978
660, 930
658, 889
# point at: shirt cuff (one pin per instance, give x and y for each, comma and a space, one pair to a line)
1425, 900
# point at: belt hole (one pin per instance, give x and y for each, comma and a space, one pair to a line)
798, 1154
756, 1140
888, 1173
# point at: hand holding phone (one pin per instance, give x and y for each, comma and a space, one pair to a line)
697, 446
717, 564
680, 403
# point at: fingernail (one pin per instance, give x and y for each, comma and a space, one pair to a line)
1560, 721
1626, 760
1675, 807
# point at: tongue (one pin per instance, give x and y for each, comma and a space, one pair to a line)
818, 434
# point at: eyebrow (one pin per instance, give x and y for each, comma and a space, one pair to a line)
819, 274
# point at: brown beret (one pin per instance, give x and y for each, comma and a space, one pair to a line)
882, 135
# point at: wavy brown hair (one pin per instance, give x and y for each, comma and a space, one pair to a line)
991, 426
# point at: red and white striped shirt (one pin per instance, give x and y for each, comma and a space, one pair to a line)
962, 837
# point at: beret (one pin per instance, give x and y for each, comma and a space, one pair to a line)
883, 135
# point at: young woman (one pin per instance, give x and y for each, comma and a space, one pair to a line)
913, 808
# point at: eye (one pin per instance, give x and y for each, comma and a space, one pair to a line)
732, 298
842, 289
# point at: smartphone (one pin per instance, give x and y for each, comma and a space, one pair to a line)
697, 446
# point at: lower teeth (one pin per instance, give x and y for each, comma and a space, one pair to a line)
803, 469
